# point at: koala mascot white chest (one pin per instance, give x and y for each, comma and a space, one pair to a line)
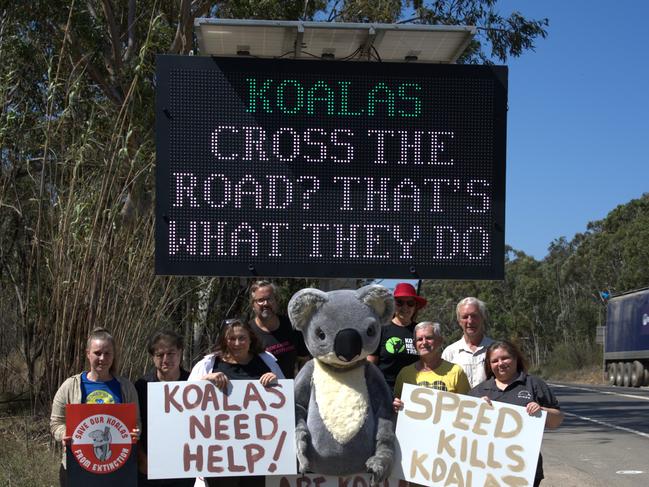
343, 404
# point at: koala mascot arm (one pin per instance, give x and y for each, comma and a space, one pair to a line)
302, 436
380, 464
343, 404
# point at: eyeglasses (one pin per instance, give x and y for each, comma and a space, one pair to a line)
261, 301
161, 356
410, 303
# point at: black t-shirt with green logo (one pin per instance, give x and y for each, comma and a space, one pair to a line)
396, 350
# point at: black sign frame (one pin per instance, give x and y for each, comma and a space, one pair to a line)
176, 107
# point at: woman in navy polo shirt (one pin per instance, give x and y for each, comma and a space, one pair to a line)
508, 381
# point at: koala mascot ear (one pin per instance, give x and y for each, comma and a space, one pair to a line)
379, 299
303, 304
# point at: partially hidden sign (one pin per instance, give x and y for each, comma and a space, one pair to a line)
329, 169
197, 430
101, 451
315, 480
452, 439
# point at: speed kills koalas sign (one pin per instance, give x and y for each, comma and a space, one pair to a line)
101, 449
452, 439
198, 430
329, 169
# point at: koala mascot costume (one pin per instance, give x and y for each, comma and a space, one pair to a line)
343, 406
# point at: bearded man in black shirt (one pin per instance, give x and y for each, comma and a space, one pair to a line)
274, 330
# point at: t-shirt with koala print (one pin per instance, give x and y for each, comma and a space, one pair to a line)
396, 350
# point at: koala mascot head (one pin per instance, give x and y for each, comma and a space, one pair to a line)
343, 327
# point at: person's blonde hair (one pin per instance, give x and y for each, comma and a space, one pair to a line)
103, 334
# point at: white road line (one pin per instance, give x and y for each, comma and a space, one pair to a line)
608, 425
631, 396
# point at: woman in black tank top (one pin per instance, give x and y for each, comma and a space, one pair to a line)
237, 355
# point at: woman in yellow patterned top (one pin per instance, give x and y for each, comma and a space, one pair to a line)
430, 370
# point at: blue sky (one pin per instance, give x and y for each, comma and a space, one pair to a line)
578, 121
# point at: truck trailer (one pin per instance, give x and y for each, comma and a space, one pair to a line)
626, 339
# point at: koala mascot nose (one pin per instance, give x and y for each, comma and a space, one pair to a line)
348, 344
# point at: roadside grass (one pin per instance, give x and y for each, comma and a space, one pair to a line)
574, 362
27, 458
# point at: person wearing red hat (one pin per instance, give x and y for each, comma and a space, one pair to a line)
397, 349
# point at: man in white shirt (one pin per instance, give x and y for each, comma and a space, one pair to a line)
469, 351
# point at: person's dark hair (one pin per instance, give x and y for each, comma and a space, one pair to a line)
510, 348
259, 284
168, 337
221, 345
103, 334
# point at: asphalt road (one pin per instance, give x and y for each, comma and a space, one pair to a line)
604, 440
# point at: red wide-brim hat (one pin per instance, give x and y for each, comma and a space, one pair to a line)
406, 290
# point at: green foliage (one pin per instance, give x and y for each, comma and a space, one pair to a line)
499, 37
77, 171
552, 307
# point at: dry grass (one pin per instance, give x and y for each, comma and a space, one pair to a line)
26, 457
586, 375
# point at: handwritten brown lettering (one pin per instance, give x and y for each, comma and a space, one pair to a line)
252, 395
455, 475
444, 443
474, 461
417, 464
221, 427
232, 466
189, 457
491, 453
446, 401
438, 471
482, 419
240, 425
213, 459
254, 453
259, 427
276, 390
512, 452
210, 397
204, 427
417, 397
491, 481
229, 407
195, 389
170, 400
359, 481
514, 481
503, 413
463, 415
303, 481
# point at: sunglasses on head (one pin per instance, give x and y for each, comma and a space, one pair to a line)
228, 323
410, 303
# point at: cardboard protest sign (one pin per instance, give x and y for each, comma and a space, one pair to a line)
101, 451
451, 439
315, 480
195, 429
